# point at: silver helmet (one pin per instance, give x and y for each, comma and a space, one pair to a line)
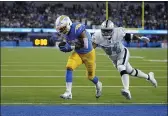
107, 29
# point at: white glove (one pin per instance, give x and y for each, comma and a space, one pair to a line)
143, 38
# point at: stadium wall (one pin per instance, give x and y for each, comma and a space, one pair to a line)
42, 37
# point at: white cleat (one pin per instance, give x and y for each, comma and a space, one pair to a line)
98, 89
126, 93
152, 79
66, 95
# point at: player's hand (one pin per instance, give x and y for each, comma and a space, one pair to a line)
146, 39
65, 47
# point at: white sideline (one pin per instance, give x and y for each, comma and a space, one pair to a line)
101, 103
60, 76
7, 70
74, 86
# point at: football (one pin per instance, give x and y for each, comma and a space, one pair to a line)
61, 44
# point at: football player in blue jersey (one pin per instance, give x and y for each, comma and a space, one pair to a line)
77, 39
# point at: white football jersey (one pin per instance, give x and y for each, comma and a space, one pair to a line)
114, 46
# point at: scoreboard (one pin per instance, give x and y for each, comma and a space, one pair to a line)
40, 42
42, 39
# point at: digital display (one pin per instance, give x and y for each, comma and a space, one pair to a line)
40, 42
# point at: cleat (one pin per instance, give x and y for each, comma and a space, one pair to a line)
66, 95
126, 94
152, 79
98, 89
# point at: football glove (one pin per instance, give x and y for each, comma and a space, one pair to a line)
65, 47
146, 39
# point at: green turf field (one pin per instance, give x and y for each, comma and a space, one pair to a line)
36, 75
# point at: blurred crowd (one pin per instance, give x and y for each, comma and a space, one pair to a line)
29, 14
15, 36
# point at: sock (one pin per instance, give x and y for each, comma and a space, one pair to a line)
125, 79
69, 86
139, 73
69, 80
95, 80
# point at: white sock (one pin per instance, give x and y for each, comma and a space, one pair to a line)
97, 83
139, 73
125, 81
124, 76
69, 86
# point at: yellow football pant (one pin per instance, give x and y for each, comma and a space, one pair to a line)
88, 59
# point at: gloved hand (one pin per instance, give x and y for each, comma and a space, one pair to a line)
146, 39
65, 47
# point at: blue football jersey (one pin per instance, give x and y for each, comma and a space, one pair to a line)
74, 35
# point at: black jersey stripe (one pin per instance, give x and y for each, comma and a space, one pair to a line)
124, 56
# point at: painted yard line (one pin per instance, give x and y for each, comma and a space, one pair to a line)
101, 103
17, 86
64, 66
21, 70
101, 54
132, 57
61, 77
61, 62
107, 61
157, 60
104, 54
51, 76
136, 57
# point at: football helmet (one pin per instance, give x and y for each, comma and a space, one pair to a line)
107, 29
63, 24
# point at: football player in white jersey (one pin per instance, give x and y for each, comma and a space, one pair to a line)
110, 40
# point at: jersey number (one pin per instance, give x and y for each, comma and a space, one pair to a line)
108, 50
116, 48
